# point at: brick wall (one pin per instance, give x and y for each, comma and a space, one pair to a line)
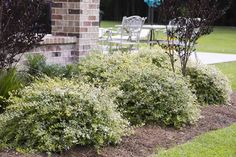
74, 31
57, 50
79, 18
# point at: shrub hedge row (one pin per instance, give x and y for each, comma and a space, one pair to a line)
94, 102
211, 86
151, 92
54, 115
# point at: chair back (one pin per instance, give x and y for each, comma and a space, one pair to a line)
190, 27
102, 32
132, 27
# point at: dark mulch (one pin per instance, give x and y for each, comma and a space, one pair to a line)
147, 139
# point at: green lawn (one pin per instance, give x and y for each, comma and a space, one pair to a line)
220, 143
222, 40
108, 24
229, 69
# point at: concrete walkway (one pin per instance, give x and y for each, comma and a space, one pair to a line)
212, 58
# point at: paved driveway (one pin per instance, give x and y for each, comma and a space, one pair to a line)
212, 58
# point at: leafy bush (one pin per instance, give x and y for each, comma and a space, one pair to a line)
54, 115
9, 81
151, 92
36, 66
99, 67
56, 70
211, 86
155, 95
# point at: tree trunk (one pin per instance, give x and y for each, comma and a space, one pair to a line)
1, 16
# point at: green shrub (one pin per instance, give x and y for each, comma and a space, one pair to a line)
155, 56
99, 67
53, 115
9, 81
211, 86
151, 92
36, 66
56, 70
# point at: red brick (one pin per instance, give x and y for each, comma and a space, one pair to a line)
92, 18
57, 17
87, 23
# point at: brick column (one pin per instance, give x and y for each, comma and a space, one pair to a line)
79, 18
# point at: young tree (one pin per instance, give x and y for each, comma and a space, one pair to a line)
20, 30
189, 20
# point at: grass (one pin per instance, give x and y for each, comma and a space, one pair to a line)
221, 40
109, 24
229, 69
220, 143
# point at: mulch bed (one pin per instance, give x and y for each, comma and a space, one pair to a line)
147, 139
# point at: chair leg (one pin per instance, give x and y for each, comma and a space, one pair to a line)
120, 47
195, 54
130, 48
110, 48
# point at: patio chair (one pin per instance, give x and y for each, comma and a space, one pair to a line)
177, 28
128, 34
103, 37
145, 35
177, 22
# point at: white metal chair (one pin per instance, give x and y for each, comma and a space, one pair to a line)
178, 30
128, 34
103, 37
145, 35
177, 22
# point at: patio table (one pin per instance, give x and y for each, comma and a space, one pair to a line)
153, 28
